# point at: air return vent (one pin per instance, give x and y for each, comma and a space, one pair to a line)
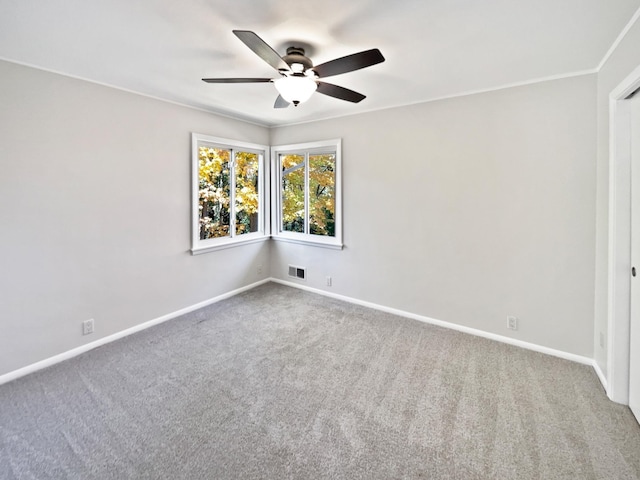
297, 272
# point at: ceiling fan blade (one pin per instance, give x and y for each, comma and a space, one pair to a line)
349, 63
262, 49
339, 92
280, 102
236, 80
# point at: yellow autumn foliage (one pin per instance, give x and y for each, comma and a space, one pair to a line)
215, 188
215, 192
321, 193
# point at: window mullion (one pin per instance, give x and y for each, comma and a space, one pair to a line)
280, 187
261, 194
232, 194
306, 194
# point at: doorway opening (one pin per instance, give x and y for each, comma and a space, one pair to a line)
619, 274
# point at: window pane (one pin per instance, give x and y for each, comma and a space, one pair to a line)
246, 171
292, 193
214, 194
322, 182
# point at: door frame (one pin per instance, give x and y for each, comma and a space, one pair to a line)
619, 275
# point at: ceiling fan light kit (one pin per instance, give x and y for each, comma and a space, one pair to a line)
298, 77
296, 89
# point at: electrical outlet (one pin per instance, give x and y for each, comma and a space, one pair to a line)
512, 323
601, 340
87, 327
259, 269
328, 281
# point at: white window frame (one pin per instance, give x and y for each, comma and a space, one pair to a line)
276, 196
199, 246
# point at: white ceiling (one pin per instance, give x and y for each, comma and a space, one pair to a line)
434, 48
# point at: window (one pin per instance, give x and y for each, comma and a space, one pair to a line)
228, 193
307, 191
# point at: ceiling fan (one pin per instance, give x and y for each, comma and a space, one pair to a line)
298, 77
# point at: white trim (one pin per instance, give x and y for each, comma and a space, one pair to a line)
210, 111
440, 323
600, 374
231, 143
306, 149
47, 362
619, 39
619, 257
310, 243
561, 76
269, 124
235, 242
212, 244
21, 372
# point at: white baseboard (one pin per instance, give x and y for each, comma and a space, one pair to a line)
601, 376
7, 377
47, 362
472, 331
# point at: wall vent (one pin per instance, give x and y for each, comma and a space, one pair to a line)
297, 272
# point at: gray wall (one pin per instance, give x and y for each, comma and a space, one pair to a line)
468, 210
465, 210
95, 213
622, 62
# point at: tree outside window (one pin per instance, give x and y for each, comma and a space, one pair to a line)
228, 194
309, 197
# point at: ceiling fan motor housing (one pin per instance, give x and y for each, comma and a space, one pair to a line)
296, 55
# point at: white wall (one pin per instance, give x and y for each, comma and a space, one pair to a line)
95, 213
624, 59
468, 210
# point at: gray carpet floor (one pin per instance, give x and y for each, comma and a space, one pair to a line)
279, 383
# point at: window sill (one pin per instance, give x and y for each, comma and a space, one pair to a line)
300, 241
228, 244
